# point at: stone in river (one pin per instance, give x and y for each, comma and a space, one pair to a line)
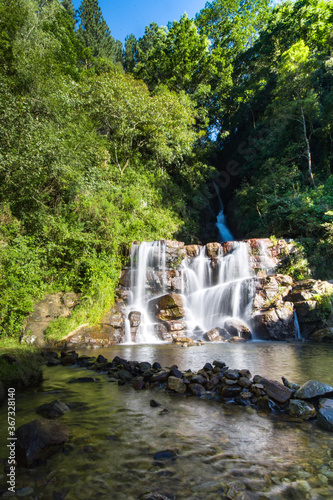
154, 404
325, 414
277, 391
52, 410
230, 391
38, 439
197, 389
160, 376
174, 372
301, 409
176, 384
312, 389
235, 327
139, 384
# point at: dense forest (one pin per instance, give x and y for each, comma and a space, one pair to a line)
102, 144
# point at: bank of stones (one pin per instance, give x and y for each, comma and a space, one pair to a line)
313, 400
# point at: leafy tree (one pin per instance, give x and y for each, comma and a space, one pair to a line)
130, 53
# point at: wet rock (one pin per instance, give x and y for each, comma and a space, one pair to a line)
325, 414
198, 379
52, 410
164, 411
213, 382
38, 439
323, 335
232, 374
139, 384
208, 367
144, 366
176, 384
216, 335
312, 389
277, 391
244, 382
297, 490
236, 328
197, 389
154, 404
176, 327
290, 385
160, 377
274, 323
134, 318
301, 409
174, 372
230, 391
101, 359
192, 250
167, 307
213, 250
157, 366
162, 332
219, 364
236, 340
263, 404
69, 359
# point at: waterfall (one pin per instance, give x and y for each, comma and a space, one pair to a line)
211, 300
297, 328
214, 288
221, 223
148, 263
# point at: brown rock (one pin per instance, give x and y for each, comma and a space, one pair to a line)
197, 389
192, 250
277, 391
213, 249
167, 307
235, 327
216, 335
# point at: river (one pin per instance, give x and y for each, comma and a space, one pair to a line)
220, 451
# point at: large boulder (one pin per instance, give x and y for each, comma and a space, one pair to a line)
325, 414
216, 335
167, 307
236, 328
312, 389
301, 409
274, 323
57, 305
277, 391
270, 290
313, 303
39, 439
101, 335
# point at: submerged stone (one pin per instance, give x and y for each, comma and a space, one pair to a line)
301, 409
52, 410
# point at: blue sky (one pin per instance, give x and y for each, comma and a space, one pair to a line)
132, 16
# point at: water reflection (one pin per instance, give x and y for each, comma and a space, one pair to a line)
299, 361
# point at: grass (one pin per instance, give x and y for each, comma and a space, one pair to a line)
27, 369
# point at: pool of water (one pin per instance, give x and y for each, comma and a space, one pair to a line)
219, 451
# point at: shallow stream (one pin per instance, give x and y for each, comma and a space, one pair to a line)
219, 451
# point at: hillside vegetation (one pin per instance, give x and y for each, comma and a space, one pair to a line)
102, 144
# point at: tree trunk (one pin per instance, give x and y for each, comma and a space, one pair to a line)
308, 151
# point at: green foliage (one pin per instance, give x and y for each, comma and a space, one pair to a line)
27, 369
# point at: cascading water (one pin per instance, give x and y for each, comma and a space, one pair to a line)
214, 295
147, 258
213, 290
221, 223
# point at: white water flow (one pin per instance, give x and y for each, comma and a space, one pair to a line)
298, 335
147, 260
211, 300
221, 223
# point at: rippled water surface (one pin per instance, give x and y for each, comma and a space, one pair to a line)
220, 451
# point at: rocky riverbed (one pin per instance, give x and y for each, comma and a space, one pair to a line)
167, 456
